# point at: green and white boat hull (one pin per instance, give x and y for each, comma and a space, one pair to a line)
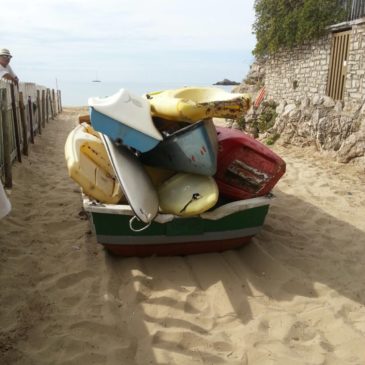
229, 226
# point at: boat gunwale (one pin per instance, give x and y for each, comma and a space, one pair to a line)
222, 211
202, 123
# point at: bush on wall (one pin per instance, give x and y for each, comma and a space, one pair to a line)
287, 23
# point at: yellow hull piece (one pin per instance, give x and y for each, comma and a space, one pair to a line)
187, 195
158, 175
191, 104
88, 164
84, 118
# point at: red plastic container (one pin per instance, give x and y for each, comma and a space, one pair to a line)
246, 168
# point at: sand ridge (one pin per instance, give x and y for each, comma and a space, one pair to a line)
294, 296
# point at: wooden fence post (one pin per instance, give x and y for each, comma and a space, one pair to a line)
43, 109
47, 106
59, 100
15, 123
24, 124
30, 109
8, 183
51, 104
54, 103
39, 112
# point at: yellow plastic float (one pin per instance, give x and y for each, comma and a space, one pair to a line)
187, 194
88, 164
191, 104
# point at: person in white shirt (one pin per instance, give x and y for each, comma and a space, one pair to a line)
6, 71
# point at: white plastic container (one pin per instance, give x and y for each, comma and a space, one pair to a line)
5, 206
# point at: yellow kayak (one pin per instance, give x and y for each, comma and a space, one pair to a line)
191, 104
88, 164
187, 194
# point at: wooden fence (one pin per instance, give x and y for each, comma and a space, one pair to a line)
24, 112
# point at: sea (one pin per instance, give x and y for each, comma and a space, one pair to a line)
77, 93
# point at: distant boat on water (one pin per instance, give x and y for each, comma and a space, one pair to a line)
96, 79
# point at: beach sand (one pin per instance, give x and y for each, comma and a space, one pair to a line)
294, 296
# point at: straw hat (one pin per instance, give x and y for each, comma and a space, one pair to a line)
5, 52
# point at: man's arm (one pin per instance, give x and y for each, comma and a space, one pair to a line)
15, 79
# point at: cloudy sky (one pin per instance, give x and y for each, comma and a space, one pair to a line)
131, 40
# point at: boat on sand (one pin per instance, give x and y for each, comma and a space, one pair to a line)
229, 225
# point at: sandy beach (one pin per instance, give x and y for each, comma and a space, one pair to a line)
294, 296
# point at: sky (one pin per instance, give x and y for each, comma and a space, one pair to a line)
128, 40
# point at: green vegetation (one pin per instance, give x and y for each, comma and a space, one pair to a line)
287, 23
261, 121
272, 139
241, 121
267, 116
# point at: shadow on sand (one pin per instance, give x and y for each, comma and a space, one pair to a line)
300, 248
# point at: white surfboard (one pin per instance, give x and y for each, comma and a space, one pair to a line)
134, 180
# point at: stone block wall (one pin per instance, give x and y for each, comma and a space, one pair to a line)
303, 71
355, 78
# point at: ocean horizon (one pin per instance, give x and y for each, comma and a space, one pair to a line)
77, 93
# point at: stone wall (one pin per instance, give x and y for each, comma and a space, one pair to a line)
355, 78
303, 71
297, 80
321, 121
